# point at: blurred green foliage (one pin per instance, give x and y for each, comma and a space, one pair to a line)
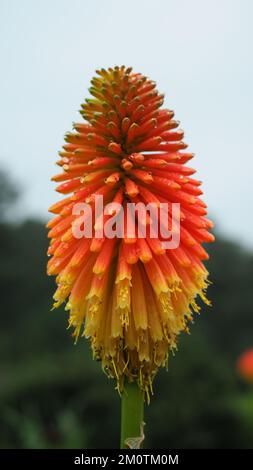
52, 395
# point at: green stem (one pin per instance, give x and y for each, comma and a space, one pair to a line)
132, 409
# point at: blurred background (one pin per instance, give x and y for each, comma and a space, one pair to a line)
52, 395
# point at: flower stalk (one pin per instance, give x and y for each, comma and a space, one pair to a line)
132, 412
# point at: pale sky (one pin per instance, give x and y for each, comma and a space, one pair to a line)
199, 53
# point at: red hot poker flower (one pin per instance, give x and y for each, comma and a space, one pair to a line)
130, 296
245, 365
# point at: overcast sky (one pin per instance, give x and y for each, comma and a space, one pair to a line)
199, 53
